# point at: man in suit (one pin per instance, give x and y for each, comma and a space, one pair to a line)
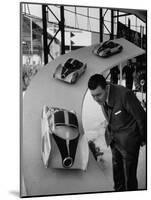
126, 129
114, 74
129, 70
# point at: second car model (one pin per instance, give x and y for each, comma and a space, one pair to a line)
70, 71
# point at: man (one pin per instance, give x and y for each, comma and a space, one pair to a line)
128, 70
126, 129
114, 74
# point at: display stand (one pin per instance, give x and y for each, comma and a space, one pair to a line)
45, 90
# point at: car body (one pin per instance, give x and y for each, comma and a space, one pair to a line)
60, 137
70, 71
107, 49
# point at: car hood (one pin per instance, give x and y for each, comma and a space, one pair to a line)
65, 72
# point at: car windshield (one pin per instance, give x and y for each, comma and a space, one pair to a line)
77, 64
65, 118
70, 64
111, 45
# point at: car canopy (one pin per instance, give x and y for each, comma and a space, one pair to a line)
65, 118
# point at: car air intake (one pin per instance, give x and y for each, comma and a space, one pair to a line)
67, 150
67, 162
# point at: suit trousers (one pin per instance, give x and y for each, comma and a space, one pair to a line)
124, 169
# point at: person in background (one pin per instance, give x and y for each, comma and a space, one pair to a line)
114, 74
128, 70
125, 131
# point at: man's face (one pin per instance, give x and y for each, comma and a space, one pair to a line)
99, 95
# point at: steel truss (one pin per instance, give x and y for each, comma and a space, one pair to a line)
45, 9
61, 25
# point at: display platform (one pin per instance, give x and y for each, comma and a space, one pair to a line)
45, 90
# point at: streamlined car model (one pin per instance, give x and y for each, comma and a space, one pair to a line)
107, 49
60, 137
70, 71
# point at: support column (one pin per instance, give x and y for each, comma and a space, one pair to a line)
31, 36
117, 24
112, 25
101, 25
61, 26
129, 28
45, 45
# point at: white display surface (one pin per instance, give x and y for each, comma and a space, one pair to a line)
45, 90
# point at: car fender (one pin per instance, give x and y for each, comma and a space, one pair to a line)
82, 70
96, 49
57, 72
70, 76
45, 137
46, 149
105, 52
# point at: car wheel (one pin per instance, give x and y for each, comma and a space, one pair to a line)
74, 78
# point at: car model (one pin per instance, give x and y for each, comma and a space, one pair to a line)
70, 71
60, 137
107, 49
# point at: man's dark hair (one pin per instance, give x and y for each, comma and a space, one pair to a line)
95, 81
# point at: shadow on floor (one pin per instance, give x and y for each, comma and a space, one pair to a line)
15, 193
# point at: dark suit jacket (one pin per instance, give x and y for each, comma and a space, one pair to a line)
127, 119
